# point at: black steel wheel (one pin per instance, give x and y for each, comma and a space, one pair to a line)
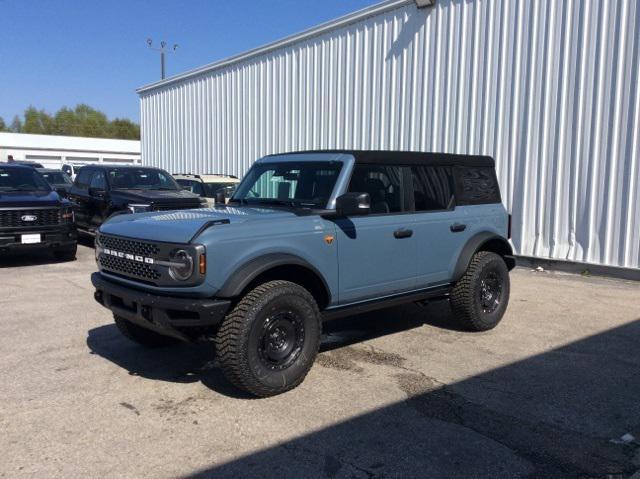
282, 340
267, 344
480, 298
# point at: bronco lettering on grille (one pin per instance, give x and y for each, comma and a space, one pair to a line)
129, 256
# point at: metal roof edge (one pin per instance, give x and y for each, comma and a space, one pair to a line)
305, 34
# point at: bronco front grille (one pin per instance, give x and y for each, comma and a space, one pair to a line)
128, 246
128, 257
129, 268
23, 218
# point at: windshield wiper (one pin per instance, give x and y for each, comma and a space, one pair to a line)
275, 201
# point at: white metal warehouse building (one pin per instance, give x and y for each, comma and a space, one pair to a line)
53, 151
549, 88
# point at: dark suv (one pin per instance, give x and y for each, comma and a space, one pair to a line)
102, 191
32, 215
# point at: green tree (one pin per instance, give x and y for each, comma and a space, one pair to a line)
66, 123
3, 125
124, 129
16, 125
38, 122
92, 122
83, 120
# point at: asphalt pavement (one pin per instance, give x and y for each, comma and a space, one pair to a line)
554, 391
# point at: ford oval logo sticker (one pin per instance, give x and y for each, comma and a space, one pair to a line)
29, 218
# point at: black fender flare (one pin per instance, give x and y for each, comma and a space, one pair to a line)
245, 274
476, 244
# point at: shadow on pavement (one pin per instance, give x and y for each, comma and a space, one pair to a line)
27, 258
550, 415
186, 363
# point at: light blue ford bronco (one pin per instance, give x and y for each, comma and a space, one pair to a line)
308, 237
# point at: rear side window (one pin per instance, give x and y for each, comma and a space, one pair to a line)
83, 179
476, 185
432, 188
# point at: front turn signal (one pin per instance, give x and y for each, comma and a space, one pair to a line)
203, 264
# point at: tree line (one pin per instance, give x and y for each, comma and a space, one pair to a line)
82, 120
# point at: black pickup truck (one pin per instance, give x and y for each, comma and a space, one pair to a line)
33, 215
102, 191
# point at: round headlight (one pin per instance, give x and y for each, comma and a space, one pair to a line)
182, 267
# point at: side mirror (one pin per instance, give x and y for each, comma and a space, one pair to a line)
61, 191
353, 204
221, 198
96, 192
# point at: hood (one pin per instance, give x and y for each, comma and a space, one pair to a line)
28, 199
181, 226
156, 196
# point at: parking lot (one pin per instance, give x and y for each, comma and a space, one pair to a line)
554, 391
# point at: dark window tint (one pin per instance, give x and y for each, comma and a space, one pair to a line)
228, 188
385, 185
56, 177
476, 185
141, 179
21, 179
193, 186
432, 188
67, 170
98, 181
83, 179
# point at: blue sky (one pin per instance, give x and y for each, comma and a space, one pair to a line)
60, 52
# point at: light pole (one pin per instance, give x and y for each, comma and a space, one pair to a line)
163, 50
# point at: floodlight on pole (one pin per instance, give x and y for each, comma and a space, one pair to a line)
163, 51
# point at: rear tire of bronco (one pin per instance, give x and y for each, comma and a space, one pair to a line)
144, 337
66, 254
479, 299
267, 344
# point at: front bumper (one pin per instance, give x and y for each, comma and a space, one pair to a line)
51, 237
168, 315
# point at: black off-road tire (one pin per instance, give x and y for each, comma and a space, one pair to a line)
66, 254
244, 345
467, 295
144, 337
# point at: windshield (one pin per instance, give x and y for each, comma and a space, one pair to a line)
212, 188
306, 184
191, 185
56, 177
22, 179
141, 179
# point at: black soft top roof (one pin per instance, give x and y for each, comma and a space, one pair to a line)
409, 157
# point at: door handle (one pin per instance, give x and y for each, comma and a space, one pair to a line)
458, 227
402, 233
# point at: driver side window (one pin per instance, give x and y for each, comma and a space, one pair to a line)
385, 185
83, 179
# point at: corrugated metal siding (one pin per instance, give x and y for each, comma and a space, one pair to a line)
548, 88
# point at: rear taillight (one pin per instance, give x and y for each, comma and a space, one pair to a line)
510, 222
